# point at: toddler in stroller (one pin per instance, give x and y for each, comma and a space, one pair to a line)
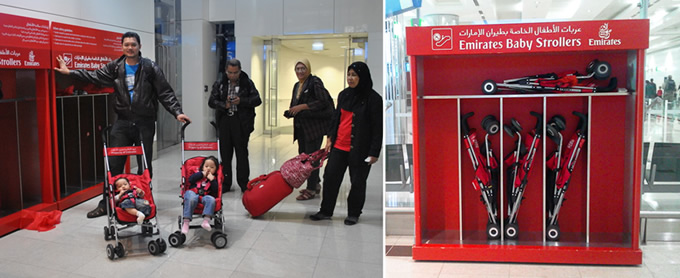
201, 192
130, 202
131, 199
202, 184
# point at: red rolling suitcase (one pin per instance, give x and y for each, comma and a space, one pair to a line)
264, 192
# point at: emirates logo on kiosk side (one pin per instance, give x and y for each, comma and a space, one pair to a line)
442, 39
605, 31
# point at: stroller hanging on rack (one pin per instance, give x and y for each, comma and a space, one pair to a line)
567, 82
188, 168
117, 218
560, 166
486, 168
519, 163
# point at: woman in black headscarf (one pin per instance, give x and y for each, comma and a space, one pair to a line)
354, 141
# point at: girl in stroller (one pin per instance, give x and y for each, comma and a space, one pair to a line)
202, 184
131, 199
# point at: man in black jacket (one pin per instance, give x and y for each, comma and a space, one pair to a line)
139, 84
234, 98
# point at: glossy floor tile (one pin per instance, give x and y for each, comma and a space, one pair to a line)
281, 243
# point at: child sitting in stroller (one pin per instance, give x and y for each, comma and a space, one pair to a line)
131, 199
201, 185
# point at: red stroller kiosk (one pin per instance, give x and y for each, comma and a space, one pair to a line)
568, 82
519, 162
486, 168
560, 166
118, 219
189, 167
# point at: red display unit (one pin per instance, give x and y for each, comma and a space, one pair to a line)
599, 220
81, 111
26, 181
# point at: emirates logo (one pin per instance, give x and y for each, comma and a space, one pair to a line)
31, 56
605, 31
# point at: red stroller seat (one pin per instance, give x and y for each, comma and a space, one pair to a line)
142, 182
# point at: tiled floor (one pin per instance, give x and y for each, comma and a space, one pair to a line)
281, 243
660, 259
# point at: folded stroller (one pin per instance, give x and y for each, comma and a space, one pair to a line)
560, 166
486, 168
519, 164
568, 82
118, 219
189, 167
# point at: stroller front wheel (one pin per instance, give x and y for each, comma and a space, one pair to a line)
219, 240
511, 231
553, 233
489, 87
110, 252
175, 239
493, 231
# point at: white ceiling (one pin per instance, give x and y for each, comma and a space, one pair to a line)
664, 14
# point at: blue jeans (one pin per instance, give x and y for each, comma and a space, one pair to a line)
191, 200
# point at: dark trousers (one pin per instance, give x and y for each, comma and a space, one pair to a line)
338, 162
233, 139
127, 133
308, 147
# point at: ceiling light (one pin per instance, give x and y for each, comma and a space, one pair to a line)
317, 46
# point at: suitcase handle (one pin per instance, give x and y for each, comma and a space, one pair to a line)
254, 181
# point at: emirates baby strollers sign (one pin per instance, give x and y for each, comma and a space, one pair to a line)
527, 37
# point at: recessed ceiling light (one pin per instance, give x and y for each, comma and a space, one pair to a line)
317, 46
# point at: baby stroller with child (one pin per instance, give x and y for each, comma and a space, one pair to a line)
188, 168
118, 219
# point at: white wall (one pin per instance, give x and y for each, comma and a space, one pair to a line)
199, 68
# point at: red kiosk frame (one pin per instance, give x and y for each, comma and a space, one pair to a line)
599, 220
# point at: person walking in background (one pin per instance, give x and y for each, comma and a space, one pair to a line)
234, 98
311, 108
354, 141
139, 85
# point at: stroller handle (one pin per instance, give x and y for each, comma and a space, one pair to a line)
105, 133
463, 122
539, 121
184, 126
582, 122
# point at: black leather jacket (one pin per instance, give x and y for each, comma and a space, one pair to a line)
250, 98
150, 88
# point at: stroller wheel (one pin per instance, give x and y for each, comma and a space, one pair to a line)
559, 122
153, 247
219, 240
110, 252
107, 234
490, 124
601, 69
120, 250
162, 244
175, 239
508, 130
489, 87
553, 233
516, 124
493, 231
511, 231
